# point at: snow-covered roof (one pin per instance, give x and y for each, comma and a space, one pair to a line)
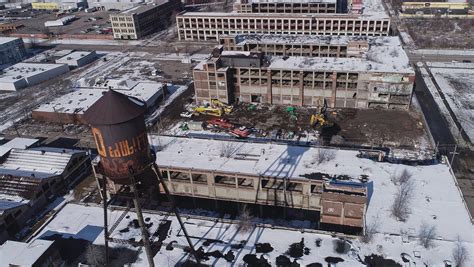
62, 52
4, 40
33, 163
299, 39
21, 70
74, 56
6, 204
366, 15
20, 142
289, 1
137, 9
235, 53
116, 84
4, 150
82, 99
14, 253
383, 63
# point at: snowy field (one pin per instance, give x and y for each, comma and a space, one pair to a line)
436, 202
438, 99
457, 83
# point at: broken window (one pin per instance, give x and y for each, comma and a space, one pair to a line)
199, 178
244, 182
224, 180
295, 187
179, 176
256, 98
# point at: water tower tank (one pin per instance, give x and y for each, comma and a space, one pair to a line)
118, 127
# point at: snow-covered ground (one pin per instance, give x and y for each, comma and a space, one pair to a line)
436, 201
438, 99
457, 84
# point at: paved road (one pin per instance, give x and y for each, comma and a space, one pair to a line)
436, 57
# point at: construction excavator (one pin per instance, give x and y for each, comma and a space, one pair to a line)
217, 109
209, 111
320, 119
219, 104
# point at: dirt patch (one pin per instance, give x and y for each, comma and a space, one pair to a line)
379, 127
441, 32
351, 127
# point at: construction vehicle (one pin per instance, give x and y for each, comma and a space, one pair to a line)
217, 103
292, 112
221, 123
240, 132
320, 119
209, 111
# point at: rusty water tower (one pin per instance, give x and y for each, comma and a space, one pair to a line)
118, 126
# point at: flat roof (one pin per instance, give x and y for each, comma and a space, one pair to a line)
298, 39
22, 70
82, 99
385, 55
20, 142
4, 40
384, 65
249, 158
77, 55
34, 163
23, 254
137, 9
289, 1
7, 203
285, 15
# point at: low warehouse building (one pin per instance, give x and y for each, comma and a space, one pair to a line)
30, 178
22, 75
78, 58
262, 174
71, 107
35, 253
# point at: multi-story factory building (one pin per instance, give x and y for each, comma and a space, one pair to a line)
353, 72
301, 6
142, 20
209, 26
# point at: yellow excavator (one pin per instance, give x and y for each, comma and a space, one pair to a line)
217, 109
320, 119
217, 103
209, 111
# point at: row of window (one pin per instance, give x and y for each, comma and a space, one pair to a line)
275, 184
122, 25
121, 18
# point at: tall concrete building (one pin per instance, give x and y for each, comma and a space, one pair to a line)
349, 72
12, 50
142, 20
209, 26
298, 6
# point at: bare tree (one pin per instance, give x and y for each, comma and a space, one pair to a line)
401, 178
426, 234
460, 254
323, 155
401, 203
245, 219
370, 230
227, 149
95, 255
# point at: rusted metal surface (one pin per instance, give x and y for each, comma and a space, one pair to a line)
343, 205
118, 127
